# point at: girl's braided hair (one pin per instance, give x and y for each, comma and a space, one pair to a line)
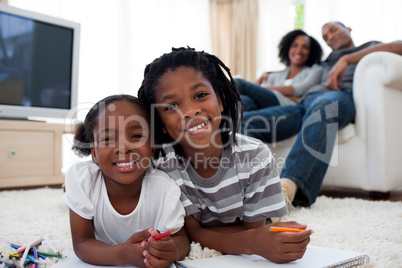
212, 69
84, 132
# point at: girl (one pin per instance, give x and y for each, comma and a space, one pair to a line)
116, 200
229, 182
301, 54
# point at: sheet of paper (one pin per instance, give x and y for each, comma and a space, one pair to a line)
72, 261
315, 257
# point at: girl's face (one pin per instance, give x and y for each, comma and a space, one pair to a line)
189, 108
122, 147
299, 50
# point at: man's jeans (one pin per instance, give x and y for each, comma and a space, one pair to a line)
316, 121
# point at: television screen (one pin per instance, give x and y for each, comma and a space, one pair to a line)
38, 64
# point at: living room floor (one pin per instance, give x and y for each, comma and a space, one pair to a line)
395, 195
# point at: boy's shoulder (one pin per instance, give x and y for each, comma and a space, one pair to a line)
244, 142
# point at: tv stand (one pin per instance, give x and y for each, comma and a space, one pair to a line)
31, 153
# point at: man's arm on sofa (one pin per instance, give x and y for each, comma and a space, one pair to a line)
338, 71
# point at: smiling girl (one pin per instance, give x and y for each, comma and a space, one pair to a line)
117, 200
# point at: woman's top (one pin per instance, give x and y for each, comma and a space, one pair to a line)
246, 186
302, 82
159, 205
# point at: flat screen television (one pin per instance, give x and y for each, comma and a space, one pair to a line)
38, 64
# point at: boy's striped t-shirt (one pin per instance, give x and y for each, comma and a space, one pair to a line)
246, 186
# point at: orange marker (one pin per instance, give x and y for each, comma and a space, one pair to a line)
160, 236
284, 229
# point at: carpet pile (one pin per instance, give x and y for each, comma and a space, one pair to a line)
370, 227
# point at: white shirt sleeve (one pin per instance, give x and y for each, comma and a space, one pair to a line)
83, 184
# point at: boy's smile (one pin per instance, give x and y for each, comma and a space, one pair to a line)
189, 108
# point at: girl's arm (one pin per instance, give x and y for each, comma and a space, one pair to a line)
97, 252
278, 247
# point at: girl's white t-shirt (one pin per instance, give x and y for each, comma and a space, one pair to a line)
159, 205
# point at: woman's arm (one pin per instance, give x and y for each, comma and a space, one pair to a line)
97, 252
301, 85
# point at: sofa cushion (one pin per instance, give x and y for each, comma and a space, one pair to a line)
343, 136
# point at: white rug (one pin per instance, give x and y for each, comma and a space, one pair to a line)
374, 228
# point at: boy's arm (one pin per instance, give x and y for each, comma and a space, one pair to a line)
278, 247
97, 252
338, 70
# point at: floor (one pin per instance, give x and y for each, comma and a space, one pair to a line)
395, 195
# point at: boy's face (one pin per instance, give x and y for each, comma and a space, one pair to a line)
122, 146
189, 108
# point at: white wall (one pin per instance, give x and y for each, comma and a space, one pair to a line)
119, 37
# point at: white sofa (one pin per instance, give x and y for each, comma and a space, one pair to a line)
368, 153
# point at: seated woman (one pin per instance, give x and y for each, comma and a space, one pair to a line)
301, 54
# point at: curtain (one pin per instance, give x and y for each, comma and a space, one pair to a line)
234, 27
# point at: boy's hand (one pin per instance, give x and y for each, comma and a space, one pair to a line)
281, 247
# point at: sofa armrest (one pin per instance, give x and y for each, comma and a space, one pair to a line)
377, 80
377, 93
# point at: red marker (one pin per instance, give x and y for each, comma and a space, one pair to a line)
160, 236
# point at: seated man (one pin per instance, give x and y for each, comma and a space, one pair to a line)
316, 119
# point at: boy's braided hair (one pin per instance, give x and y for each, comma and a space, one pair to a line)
212, 69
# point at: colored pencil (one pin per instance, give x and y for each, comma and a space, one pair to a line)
160, 236
284, 229
51, 246
7, 263
24, 256
34, 244
60, 256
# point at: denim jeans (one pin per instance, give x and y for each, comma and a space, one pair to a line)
316, 121
254, 96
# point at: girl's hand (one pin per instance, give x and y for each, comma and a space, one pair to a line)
159, 253
281, 247
132, 248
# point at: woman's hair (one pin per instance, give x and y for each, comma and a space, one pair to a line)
84, 132
211, 68
286, 42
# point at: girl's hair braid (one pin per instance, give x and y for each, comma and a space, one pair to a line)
84, 137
